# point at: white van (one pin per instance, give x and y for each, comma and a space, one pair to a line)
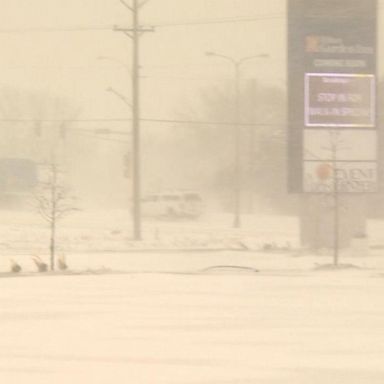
187, 204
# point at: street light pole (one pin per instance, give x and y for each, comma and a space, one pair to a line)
237, 209
136, 192
237, 128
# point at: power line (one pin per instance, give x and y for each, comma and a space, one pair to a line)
102, 138
164, 121
110, 28
221, 20
55, 29
88, 120
197, 122
99, 131
101, 28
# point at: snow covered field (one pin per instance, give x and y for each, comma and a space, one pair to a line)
153, 317
23, 232
102, 240
236, 328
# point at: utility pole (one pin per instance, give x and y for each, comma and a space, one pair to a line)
134, 33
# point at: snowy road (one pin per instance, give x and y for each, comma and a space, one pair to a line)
321, 327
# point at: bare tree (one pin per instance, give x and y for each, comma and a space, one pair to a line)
186, 149
53, 203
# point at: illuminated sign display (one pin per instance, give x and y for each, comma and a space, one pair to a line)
332, 127
339, 100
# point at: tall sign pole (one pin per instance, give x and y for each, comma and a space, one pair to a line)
332, 88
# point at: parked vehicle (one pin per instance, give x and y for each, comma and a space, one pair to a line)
187, 204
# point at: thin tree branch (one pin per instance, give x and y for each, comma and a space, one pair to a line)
126, 5
44, 215
64, 212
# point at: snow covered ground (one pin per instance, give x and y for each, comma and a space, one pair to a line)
23, 232
235, 328
154, 317
102, 240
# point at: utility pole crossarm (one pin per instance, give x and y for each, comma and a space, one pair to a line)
144, 30
129, 31
126, 31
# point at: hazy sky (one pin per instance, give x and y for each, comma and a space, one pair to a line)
173, 62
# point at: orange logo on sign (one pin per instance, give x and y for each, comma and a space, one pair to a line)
324, 171
312, 44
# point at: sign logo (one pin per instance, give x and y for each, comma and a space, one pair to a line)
311, 44
335, 45
324, 171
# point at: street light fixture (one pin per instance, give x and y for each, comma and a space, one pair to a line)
236, 65
123, 98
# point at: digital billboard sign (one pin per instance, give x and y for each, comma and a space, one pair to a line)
331, 88
339, 100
